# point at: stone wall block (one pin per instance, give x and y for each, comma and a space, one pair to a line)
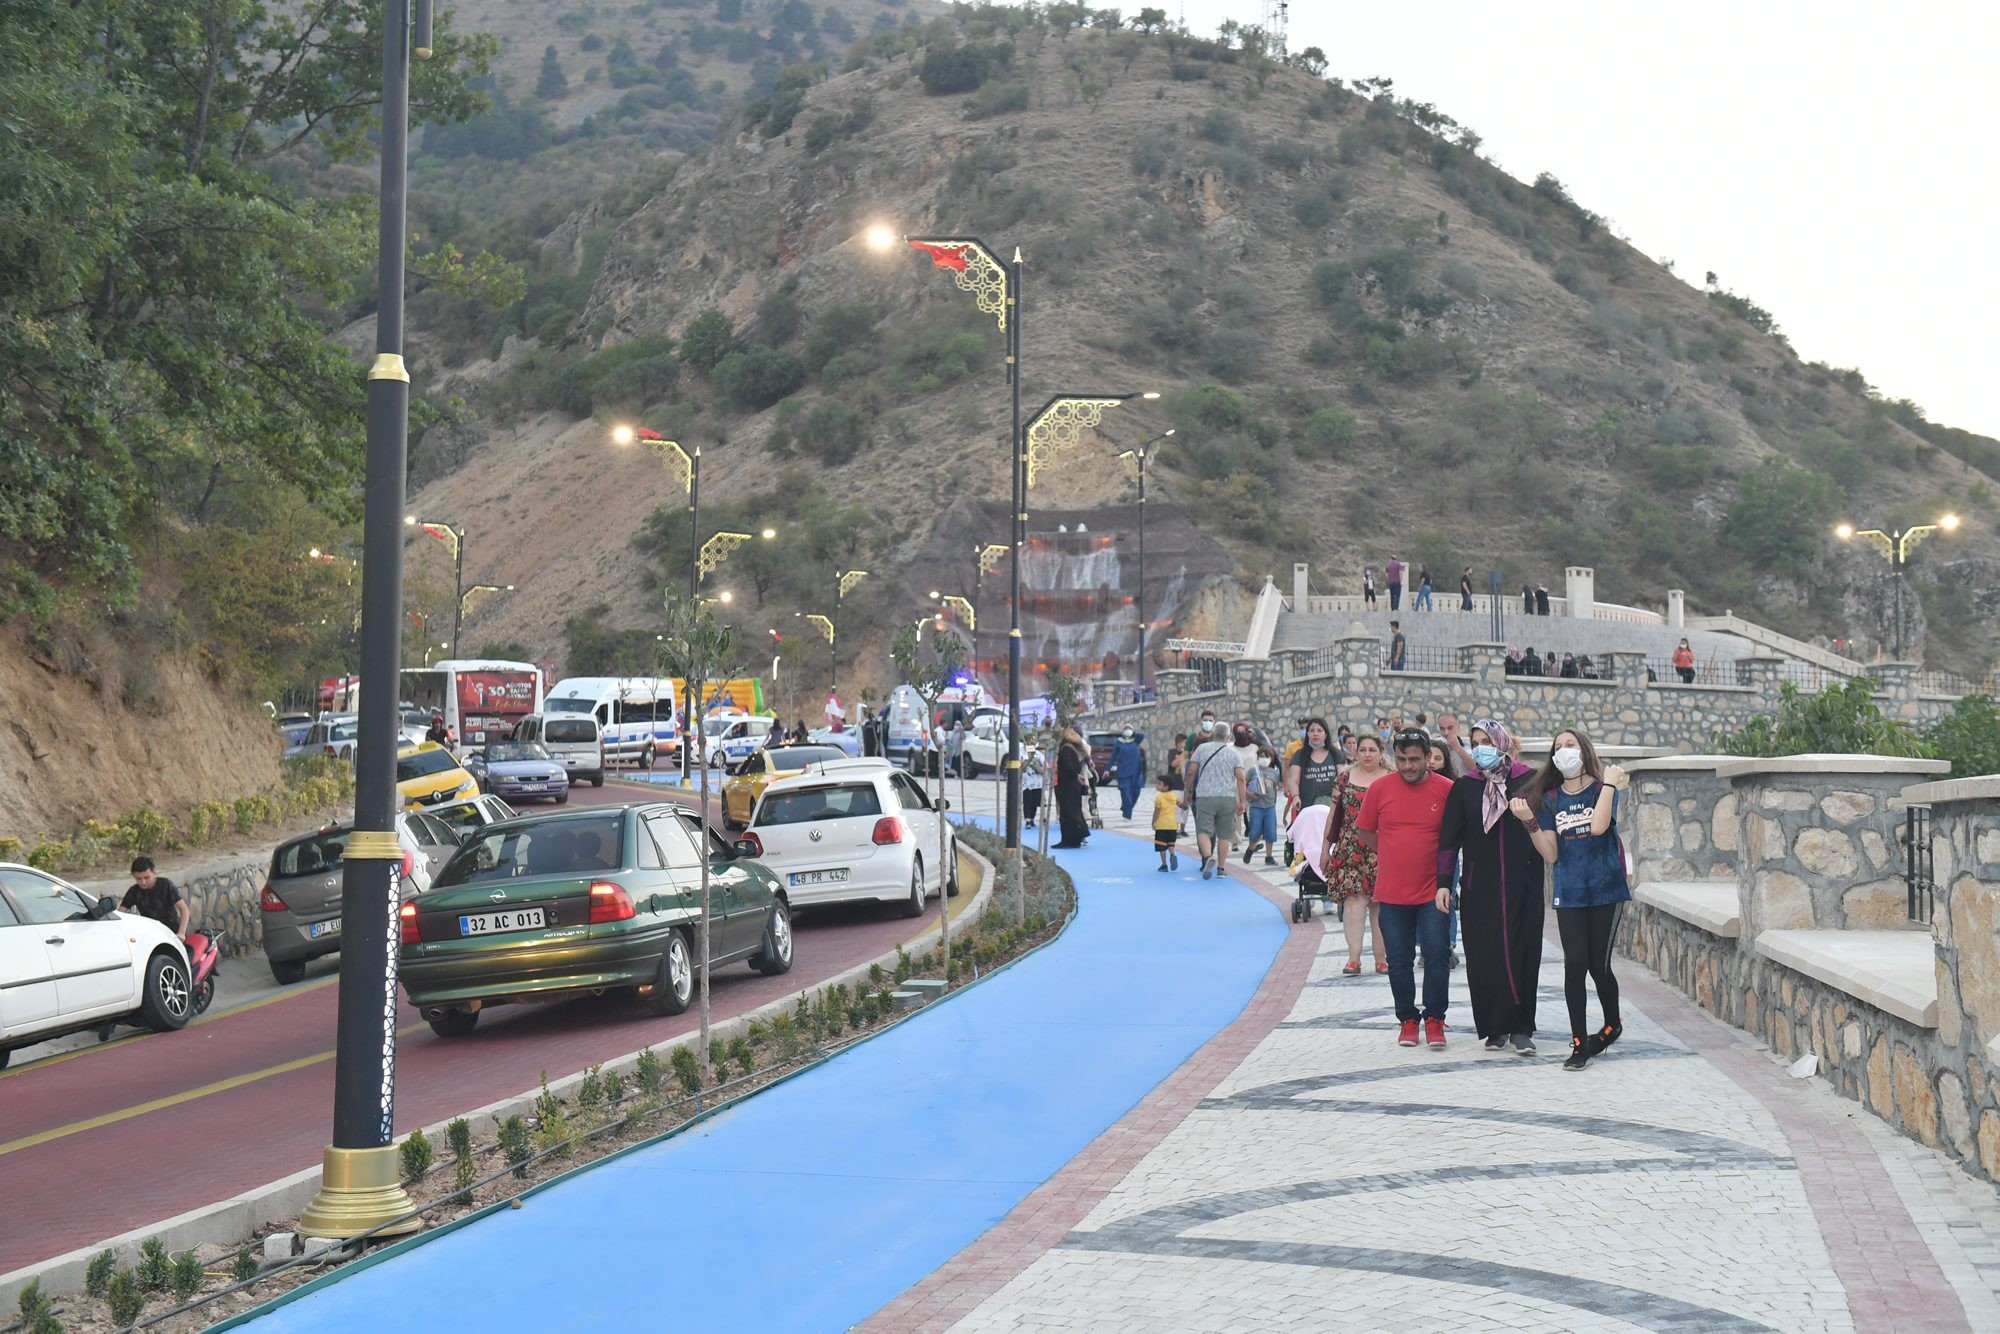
1972, 905
1875, 848
1825, 852
1656, 828
1693, 835
1784, 799
1780, 901
1881, 1093
1954, 1112
1724, 823
1878, 905
1846, 807
1916, 1104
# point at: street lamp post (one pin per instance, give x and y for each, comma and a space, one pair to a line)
360, 1188
688, 467
455, 539
1139, 456
1896, 545
465, 601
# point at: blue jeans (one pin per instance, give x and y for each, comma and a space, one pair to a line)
1423, 598
1263, 825
1405, 927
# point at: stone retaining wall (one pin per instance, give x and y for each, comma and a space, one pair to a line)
1965, 852
1345, 683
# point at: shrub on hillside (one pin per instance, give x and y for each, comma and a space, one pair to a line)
833, 430
1827, 450
631, 375
996, 98
757, 377
1680, 467
1208, 409
1232, 352
950, 69
838, 330
1330, 431
708, 338
1780, 515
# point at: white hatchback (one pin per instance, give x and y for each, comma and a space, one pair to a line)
70, 962
854, 831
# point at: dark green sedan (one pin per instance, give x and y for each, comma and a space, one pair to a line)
577, 903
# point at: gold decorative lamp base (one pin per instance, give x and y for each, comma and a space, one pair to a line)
360, 1190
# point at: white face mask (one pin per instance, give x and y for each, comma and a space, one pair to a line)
1568, 761
1263, 761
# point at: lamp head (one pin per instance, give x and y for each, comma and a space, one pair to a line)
881, 238
1949, 522
409, 521
1150, 394
623, 435
1844, 532
314, 553
768, 534
728, 596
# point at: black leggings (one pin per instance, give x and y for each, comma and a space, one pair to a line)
1587, 934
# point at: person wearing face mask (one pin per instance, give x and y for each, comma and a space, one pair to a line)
1128, 766
1203, 731
1500, 891
1572, 809
1400, 819
1262, 783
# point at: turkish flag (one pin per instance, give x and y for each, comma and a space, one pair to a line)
944, 256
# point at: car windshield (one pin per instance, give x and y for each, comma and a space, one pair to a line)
317, 854
343, 731
423, 764
563, 845
570, 704
570, 729
417, 718
798, 757
498, 752
803, 805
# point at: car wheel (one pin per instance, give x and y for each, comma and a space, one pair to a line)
732, 824
597, 780
6, 1054
645, 760
776, 955
951, 877
673, 988
913, 906
454, 1023
561, 799
165, 1004
288, 971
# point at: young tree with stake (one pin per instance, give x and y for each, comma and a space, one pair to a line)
929, 678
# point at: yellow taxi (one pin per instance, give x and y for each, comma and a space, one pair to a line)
758, 770
429, 775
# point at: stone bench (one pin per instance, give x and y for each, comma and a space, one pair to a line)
1894, 971
1713, 905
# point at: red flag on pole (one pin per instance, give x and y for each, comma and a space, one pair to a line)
944, 256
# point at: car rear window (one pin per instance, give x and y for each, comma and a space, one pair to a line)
806, 804
560, 846
423, 763
570, 729
315, 855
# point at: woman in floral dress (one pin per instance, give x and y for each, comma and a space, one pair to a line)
1350, 866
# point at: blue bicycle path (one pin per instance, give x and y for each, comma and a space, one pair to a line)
815, 1203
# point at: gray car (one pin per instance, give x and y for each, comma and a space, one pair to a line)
301, 899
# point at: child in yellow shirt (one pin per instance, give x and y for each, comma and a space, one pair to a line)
1166, 823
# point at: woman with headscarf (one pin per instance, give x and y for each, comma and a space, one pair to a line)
1500, 891
1072, 758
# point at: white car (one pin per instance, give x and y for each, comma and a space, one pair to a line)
854, 831
985, 744
69, 963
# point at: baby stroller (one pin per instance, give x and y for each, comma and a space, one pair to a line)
1090, 804
1311, 888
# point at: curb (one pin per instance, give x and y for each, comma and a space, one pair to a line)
229, 1222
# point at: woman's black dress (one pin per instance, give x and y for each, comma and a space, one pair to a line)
1500, 908
1069, 796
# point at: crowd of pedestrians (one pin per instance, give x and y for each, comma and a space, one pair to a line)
1433, 845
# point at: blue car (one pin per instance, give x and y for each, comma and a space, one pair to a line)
518, 769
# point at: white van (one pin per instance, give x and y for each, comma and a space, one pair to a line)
573, 740
635, 714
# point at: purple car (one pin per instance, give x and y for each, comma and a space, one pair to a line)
520, 769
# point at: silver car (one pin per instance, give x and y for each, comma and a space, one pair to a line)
301, 899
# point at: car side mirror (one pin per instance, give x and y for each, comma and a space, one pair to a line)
744, 847
944, 803
103, 908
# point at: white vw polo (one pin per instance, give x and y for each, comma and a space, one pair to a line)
68, 963
854, 831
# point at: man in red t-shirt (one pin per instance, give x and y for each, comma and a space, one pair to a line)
1400, 818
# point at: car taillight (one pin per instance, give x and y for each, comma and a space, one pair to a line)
888, 829
610, 903
754, 843
331, 751
269, 900
408, 914
409, 863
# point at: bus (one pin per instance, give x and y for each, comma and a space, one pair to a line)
481, 698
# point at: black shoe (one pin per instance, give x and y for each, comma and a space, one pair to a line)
1579, 1055
1246, 856
1270, 860
1604, 1037
1496, 1043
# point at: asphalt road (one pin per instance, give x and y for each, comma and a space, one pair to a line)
97, 1140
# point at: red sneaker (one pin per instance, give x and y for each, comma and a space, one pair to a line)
1433, 1034
1408, 1037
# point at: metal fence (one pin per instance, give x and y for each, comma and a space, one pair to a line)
1319, 662
1423, 658
1943, 683
1917, 850
1210, 673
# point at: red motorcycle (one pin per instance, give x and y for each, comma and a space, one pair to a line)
204, 962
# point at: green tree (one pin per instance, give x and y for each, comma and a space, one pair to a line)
952, 69
1331, 430
1780, 515
553, 83
708, 338
1150, 19
1968, 736
756, 377
1839, 720
1826, 450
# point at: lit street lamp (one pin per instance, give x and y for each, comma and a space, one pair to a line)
964, 608
360, 1180
1139, 455
465, 601
455, 539
1896, 546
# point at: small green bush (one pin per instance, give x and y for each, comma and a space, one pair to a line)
128, 1298
155, 1265
417, 1154
996, 99
614, 1088
97, 1274
187, 1275
1331, 430
515, 1145
758, 377
651, 1072
687, 1069
244, 1267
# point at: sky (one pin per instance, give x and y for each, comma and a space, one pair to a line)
1833, 162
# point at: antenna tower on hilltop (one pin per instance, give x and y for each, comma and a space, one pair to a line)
1276, 12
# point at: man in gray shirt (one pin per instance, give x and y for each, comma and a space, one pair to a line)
1219, 789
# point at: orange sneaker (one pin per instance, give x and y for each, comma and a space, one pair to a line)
1434, 1034
1408, 1037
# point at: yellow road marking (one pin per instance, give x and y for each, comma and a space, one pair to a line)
44, 1062
175, 1099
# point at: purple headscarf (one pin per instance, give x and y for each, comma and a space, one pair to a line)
1493, 801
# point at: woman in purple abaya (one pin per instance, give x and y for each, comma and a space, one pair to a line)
1500, 891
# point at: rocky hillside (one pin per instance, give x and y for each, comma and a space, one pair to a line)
1370, 341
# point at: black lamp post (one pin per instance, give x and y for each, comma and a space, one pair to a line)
360, 1188
454, 538
1139, 454
1896, 545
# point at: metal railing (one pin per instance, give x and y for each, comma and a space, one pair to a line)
1320, 662
1210, 673
1917, 875
1423, 658
1943, 683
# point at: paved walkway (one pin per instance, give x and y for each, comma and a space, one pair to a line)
998, 1164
